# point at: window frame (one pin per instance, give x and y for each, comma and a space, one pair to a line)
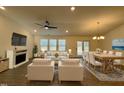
55, 45
46, 46
64, 45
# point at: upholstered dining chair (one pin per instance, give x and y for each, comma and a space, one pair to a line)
85, 56
118, 62
104, 51
93, 62
111, 52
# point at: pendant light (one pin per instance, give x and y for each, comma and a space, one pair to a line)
98, 37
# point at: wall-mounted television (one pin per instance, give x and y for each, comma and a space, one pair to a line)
18, 39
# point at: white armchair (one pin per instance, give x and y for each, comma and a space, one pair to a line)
40, 70
70, 70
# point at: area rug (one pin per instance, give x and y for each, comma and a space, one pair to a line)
116, 75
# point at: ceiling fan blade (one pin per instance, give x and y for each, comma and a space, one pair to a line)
54, 27
38, 24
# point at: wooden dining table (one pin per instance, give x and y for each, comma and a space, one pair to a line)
107, 61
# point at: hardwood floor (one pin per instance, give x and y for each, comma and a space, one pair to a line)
16, 77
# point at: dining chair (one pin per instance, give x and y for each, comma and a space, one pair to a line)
104, 51
93, 62
85, 57
118, 62
111, 52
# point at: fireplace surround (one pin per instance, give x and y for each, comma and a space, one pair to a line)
17, 58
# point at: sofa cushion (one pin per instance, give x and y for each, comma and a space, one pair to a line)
42, 63
63, 53
39, 61
70, 62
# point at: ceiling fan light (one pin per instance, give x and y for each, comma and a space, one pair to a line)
46, 27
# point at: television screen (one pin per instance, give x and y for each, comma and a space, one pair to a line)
18, 39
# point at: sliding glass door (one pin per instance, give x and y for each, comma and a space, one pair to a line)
82, 46
79, 47
86, 46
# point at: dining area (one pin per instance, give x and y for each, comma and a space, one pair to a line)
104, 61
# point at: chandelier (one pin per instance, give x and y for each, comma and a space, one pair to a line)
98, 37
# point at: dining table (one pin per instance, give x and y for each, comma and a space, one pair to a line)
107, 61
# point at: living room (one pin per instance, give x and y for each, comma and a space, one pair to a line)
63, 43
37, 32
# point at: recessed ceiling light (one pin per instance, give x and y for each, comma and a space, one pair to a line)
66, 31
72, 8
35, 30
2, 8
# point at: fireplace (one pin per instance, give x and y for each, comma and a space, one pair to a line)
17, 58
20, 58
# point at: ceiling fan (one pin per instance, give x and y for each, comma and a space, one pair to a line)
46, 25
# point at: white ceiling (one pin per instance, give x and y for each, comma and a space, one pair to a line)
80, 22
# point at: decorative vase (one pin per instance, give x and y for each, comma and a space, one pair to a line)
56, 55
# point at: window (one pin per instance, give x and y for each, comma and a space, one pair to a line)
44, 44
86, 46
52, 44
61, 45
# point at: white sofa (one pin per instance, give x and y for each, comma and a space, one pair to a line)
41, 69
51, 55
70, 70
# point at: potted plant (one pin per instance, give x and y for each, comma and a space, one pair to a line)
35, 50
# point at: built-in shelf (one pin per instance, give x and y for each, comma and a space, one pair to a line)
3, 59
4, 64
